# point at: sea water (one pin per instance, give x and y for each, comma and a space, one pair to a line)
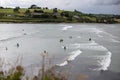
84, 56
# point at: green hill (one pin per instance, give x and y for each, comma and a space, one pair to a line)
38, 15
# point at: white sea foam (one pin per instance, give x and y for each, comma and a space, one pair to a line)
104, 61
72, 57
91, 30
90, 46
16, 37
62, 64
99, 35
66, 27
113, 40
78, 37
110, 35
92, 43
74, 54
98, 32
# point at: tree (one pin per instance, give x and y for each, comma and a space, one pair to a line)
46, 7
1, 7
33, 6
55, 10
65, 13
16, 9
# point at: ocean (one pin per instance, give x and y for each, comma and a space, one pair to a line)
90, 50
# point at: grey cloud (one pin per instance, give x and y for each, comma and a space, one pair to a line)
87, 6
107, 2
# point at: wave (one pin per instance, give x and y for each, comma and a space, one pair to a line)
10, 38
92, 43
98, 32
16, 37
62, 64
67, 27
116, 41
72, 57
110, 35
91, 30
104, 61
89, 45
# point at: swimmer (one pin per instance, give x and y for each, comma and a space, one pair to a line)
61, 40
17, 45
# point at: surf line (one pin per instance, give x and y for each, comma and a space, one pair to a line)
67, 27
104, 61
16, 37
70, 58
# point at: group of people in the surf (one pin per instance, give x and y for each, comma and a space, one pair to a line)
24, 33
61, 40
17, 45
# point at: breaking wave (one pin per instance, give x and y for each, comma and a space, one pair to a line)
116, 41
67, 27
72, 57
16, 37
89, 46
104, 61
10, 38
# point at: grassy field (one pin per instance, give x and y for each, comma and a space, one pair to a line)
22, 10
7, 11
9, 15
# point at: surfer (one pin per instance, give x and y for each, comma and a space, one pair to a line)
24, 34
17, 45
64, 47
90, 39
70, 37
6, 48
61, 40
101, 71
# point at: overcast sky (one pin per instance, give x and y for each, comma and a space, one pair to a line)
87, 6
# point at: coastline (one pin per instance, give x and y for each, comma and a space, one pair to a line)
9, 22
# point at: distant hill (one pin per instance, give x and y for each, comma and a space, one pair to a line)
36, 14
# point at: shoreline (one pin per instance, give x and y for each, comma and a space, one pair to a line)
54, 23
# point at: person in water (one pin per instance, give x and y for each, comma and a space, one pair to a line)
61, 40
17, 45
6, 48
70, 37
90, 39
64, 47
24, 34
